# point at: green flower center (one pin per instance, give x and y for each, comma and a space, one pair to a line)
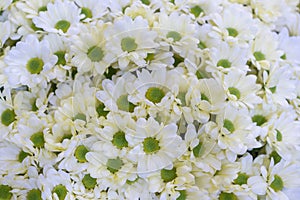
61, 191
234, 91
146, 2
277, 183
114, 165
100, 110
60, 57
5, 193
95, 53
224, 63
276, 157
227, 196
63, 25
80, 153
241, 179
229, 125
7, 117
182, 195
128, 44
34, 194
35, 65
22, 155
38, 140
197, 149
175, 35
124, 104
168, 175
196, 11
232, 32
259, 119
119, 140
151, 145
80, 116
278, 136
42, 9
89, 182
201, 74
259, 56
201, 45
87, 13
155, 94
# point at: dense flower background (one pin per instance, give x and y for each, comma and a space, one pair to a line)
150, 99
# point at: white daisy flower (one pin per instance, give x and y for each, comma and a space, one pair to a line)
29, 63
14, 160
235, 24
115, 95
88, 49
237, 134
60, 17
280, 176
205, 96
290, 46
129, 40
32, 7
279, 85
92, 9
155, 145
283, 137
172, 33
265, 49
241, 89
227, 58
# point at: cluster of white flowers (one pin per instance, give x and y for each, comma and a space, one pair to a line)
150, 99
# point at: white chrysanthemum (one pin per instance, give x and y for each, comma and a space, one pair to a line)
237, 133
56, 184
29, 63
269, 11
201, 10
284, 137
60, 17
139, 9
279, 85
88, 49
265, 49
177, 31
129, 40
290, 45
115, 95
92, 9
234, 25
14, 160
32, 7
225, 58
280, 176
106, 164
203, 148
155, 145
204, 96
241, 89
